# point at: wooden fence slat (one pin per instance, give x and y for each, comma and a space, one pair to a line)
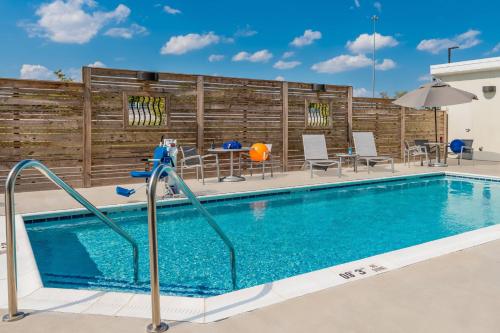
87, 126
284, 98
200, 113
349, 115
403, 131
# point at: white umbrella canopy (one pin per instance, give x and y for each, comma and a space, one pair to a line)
435, 94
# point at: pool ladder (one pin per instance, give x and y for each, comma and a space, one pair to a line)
10, 228
157, 325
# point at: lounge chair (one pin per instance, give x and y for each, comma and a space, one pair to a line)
268, 161
191, 159
316, 154
415, 151
364, 143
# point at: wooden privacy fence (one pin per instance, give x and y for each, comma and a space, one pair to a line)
95, 132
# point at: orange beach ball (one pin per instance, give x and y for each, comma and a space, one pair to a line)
258, 152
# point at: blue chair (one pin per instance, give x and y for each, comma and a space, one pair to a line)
463, 149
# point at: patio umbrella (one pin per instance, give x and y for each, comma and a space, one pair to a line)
434, 95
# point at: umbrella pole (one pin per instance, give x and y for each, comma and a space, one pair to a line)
438, 147
436, 123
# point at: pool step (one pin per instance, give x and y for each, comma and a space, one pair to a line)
101, 283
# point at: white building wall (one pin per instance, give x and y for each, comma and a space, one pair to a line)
479, 120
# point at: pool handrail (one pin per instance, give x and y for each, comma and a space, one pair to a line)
13, 313
157, 325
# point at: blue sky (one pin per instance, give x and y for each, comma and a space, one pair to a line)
323, 42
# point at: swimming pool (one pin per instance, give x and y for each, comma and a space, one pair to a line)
276, 235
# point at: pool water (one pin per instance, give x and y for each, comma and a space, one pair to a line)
275, 236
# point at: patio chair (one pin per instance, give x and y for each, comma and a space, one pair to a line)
415, 151
268, 161
466, 151
364, 143
431, 150
316, 154
192, 160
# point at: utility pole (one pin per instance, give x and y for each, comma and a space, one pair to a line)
374, 18
449, 52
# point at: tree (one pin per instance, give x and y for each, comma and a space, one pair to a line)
61, 76
384, 94
399, 93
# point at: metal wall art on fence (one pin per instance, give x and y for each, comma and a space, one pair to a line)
142, 110
318, 115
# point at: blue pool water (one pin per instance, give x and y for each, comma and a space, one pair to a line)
275, 236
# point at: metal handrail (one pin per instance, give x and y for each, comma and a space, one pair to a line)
157, 325
10, 228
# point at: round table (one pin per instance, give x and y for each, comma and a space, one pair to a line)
232, 177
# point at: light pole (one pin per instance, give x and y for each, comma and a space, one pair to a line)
449, 52
374, 19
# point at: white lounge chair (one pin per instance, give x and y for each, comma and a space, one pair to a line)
364, 143
316, 154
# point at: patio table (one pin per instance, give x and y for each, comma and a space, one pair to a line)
232, 177
349, 157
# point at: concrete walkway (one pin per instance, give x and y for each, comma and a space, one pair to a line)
459, 292
41, 201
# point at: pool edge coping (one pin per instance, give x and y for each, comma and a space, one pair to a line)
210, 309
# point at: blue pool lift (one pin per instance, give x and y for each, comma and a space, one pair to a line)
161, 156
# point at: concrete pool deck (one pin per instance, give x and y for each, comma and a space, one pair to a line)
458, 292
41, 201
300, 313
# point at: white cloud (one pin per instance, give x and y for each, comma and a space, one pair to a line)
171, 10
127, 33
245, 32
386, 65
36, 72
259, 56
342, 63
288, 54
216, 57
307, 38
97, 63
465, 40
360, 92
74, 74
364, 43
280, 64
378, 6
184, 43
73, 21
495, 49
425, 78
357, 4
279, 78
